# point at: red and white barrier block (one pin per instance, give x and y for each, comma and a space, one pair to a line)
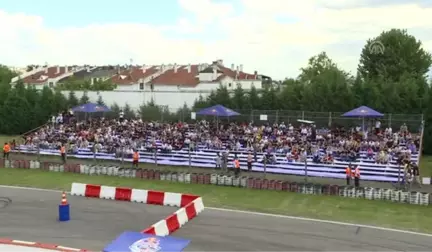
190, 205
40, 245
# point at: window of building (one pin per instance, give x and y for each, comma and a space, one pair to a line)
141, 87
51, 84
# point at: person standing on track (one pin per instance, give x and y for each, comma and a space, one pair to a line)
415, 174
348, 174
6, 150
249, 161
135, 159
236, 167
63, 153
357, 177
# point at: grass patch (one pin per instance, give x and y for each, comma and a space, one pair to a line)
387, 214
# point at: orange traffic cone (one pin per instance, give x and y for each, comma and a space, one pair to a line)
64, 200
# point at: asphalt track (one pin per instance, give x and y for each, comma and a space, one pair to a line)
32, 216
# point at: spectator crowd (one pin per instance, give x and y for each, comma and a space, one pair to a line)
295, 142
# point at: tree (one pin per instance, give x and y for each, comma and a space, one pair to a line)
72, 99
115, 111
103, 85
84, 98
60, 101
269, 99
73, 83
239, 98
322, 80
401, 54
200, 103
100, 100
393, 82
254, 101
149, 111
222, 96
128, 112
6, 74
291, 94
183, 114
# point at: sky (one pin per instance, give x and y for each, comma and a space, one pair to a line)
273, 37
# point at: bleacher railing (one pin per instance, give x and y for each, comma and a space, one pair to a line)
206, 159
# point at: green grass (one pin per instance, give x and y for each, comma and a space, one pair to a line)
387, 214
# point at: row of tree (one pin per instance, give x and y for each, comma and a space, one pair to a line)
392, 81
95, 84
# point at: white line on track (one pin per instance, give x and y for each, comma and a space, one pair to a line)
267, 215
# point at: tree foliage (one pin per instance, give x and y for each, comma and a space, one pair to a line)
86, 84
394, 81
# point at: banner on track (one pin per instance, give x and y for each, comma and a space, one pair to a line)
139, 242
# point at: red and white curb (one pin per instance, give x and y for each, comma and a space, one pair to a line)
190, 205
40, 245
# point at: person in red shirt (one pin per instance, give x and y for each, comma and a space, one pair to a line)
63, 153
135, 159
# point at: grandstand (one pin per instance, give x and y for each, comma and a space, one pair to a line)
276, 149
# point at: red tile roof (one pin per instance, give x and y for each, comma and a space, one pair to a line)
133, 75
42, 76
232, 74
182, 77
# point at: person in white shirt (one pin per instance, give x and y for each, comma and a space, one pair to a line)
121, 116
377, 127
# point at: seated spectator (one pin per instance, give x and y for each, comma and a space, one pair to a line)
370, 153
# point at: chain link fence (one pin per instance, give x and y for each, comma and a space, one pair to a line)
321, 119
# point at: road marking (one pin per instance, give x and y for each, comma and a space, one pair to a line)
267, 215
321, 221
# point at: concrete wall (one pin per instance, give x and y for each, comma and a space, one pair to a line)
173, 100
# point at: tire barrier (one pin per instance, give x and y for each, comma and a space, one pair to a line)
190, 205
393, 195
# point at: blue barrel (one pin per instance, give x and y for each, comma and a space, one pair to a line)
64, 212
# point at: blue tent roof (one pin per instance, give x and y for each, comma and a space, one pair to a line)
363, 111
91, 108
218, 110
138, 242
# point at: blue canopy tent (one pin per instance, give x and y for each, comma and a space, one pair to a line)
91, 108
363, 112
139, 242
218, 111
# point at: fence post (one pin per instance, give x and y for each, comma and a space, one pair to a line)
390, 120
155, 155
190, 160
38, 152
421, 139
330, 120
303, 115
94, 153
399, 175
122, 156
306, 173
277, 116
265, 167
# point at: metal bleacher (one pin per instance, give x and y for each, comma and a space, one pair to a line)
206, 158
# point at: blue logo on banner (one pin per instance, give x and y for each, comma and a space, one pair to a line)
150, 244
139, 242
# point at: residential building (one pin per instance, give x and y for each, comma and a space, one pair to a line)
162, 78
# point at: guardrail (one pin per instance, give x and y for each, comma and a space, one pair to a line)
394, 195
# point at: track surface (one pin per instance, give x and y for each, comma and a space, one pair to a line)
32, 216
